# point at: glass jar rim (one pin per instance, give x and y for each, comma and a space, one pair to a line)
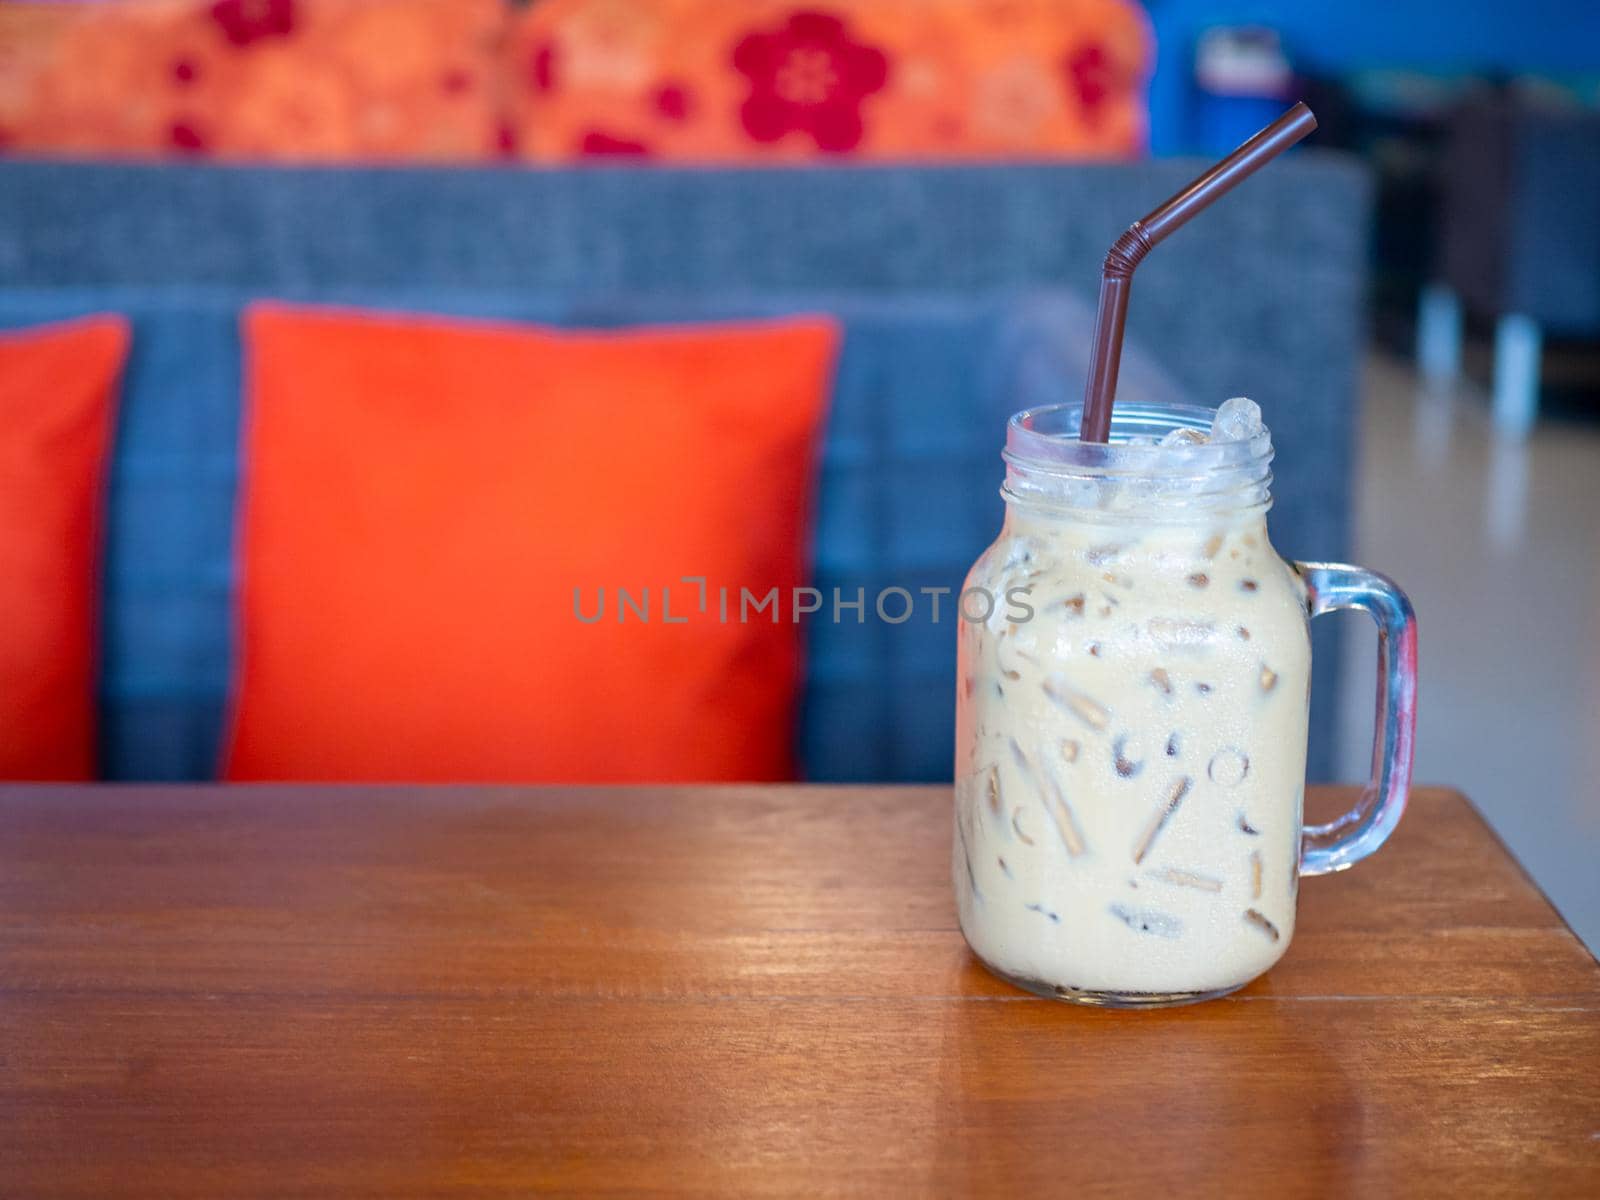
1049, 469
1046, 439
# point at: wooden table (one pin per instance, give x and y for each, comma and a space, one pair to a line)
746, 991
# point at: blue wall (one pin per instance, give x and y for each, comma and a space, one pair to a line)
1554, 36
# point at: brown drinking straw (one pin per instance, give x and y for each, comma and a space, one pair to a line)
1128, 251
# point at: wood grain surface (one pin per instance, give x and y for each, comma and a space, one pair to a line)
741, 991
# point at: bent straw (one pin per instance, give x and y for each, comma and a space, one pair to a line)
1149, 231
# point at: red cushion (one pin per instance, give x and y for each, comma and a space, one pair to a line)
423, 497
57, 397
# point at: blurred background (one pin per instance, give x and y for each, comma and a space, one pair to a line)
1414, 300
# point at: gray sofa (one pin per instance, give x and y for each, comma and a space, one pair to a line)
956, 287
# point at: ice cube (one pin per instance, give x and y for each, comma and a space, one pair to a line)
1144, 439
1237, 420
1184, 437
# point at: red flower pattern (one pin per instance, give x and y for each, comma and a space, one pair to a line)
472, 79
808, 77
672, 101
1094, 77
543, 67
246, 21
186, 139
598, 142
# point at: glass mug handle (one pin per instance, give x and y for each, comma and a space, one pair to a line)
1332, 587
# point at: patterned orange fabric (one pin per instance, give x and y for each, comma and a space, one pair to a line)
681, 80
257, 79
707, 80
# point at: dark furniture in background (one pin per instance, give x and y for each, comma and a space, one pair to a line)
1519, 241
941, 275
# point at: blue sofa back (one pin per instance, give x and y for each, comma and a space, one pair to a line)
954, 286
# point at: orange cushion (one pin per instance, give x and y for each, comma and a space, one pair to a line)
57, 395
424, 496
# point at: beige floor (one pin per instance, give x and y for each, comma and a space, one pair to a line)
1497, 544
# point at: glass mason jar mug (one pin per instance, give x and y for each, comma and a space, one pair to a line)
1132, 715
